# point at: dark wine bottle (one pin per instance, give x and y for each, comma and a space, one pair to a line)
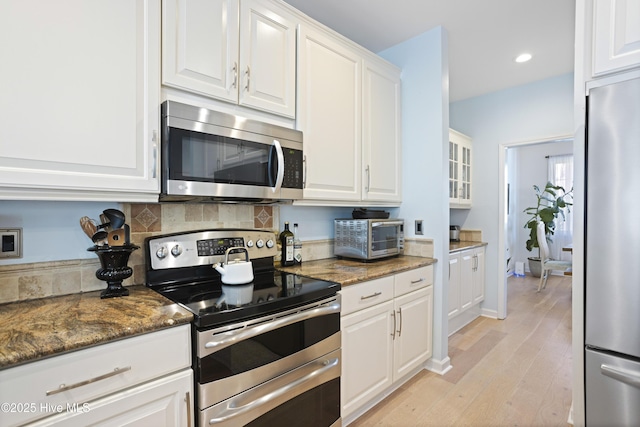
286, 242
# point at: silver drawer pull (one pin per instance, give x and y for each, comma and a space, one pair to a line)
413, 282
372, 295
116, 371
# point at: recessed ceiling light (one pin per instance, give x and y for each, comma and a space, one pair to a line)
523, 57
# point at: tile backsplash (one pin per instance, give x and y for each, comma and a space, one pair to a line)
43, 279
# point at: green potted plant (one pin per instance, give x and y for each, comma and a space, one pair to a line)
550, 202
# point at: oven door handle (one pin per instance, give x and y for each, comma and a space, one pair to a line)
226, 339
248, 405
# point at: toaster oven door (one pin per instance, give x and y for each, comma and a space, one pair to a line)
386, 238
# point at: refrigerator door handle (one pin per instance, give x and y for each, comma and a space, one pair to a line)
624, 375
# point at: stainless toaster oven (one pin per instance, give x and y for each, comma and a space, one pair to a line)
368, 239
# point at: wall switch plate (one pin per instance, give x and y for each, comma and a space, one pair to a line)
10, 243
419, 226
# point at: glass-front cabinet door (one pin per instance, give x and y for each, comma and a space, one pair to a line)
460, 188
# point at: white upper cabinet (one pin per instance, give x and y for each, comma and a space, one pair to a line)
349, 112
616, 35
243, 52
329, 115
80, 100
460, 162
200, 45
381, 141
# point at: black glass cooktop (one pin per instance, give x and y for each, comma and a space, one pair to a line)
214, 304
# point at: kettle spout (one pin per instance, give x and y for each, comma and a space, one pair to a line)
218, 267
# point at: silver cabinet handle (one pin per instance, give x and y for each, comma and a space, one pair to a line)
624, 375
248, 73
400, 328
393, 333
226, 339
235, 75
367, 170
154, 166
413, 282
187, 399
63, 387
373, 295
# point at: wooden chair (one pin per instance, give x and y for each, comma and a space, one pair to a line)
548, 264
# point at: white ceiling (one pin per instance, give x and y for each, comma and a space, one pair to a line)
484, 35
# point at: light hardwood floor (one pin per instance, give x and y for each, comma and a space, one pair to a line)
512, 372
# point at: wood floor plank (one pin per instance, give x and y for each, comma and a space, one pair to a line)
511, 372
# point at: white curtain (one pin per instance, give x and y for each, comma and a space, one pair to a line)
560, 172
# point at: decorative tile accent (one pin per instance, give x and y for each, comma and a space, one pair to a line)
145, 218
263, 217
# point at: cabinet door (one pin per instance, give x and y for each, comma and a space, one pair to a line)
413, 341
367, 355
80, 103
616, 35
381, 142
466, 279
460, 162
454, 285
329, 114
166, 402
200, 47
478, 276
267, 58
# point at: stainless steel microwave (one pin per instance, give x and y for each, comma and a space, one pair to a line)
207, 155
368, 239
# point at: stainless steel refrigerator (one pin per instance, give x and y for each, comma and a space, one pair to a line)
612, 288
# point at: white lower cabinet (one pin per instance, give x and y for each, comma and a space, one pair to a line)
466, 286
162, 403
139, 381
386, 329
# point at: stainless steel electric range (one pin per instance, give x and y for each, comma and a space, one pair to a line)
264, 353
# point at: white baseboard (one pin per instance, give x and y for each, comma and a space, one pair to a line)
440, 367
490, 313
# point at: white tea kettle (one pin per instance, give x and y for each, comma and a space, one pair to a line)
237, 271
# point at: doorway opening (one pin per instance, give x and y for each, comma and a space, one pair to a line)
524, 164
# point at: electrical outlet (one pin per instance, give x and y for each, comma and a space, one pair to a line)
10, 242
419, 226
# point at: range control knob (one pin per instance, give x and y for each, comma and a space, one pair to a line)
176, 250
162, 252
260, 243
270, 243
249, 243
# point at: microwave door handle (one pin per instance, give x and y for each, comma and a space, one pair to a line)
280, 172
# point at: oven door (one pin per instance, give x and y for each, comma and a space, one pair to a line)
238, 357
386, 238
308, 396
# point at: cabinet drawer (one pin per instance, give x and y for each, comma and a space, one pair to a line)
411, 280
91, 373
366, 294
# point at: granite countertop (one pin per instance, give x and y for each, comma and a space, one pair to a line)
30, 330
348, 272
464, 245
